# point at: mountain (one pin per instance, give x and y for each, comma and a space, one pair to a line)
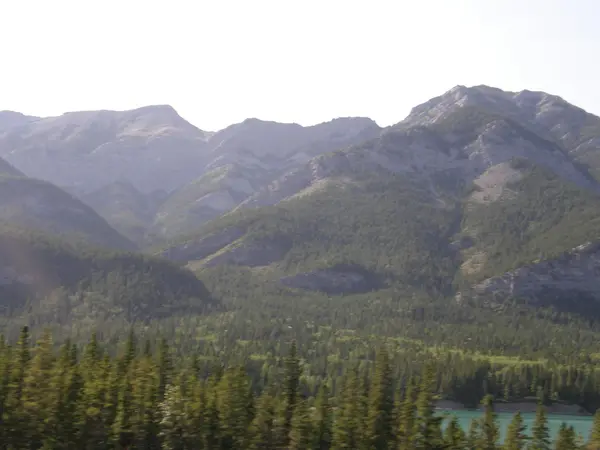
151, 147
50, 281
248, 157
126, 208
36, 204
141, 197
11, 119
470, 186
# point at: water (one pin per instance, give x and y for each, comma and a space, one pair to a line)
581, 424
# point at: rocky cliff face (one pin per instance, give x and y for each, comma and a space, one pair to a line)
573, 275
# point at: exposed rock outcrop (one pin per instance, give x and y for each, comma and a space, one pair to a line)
573, 275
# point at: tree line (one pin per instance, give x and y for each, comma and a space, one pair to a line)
143, 398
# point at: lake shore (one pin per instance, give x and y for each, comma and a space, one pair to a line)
512, 407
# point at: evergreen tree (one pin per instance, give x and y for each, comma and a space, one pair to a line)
346, 426
323, 420
172, 413
454, 436
262, 429
301, 431
540, 434
379, 427
566, 438
427, 427
474, 435
122, 427
489, 426
291, 389
16, 421
234, 416
594, 441
516, 439
406, 418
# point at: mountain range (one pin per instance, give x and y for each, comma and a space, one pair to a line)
480, 196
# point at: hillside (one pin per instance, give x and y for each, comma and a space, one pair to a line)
40, 205
127, 209
70, 285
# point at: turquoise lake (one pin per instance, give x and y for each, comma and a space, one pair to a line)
581, 424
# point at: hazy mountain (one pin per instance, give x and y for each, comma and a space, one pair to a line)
40, 205
127, 209
151, 147
472, 184
246, 158
11, 119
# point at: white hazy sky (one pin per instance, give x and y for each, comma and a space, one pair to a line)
220, 61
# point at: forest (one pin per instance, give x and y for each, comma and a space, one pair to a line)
145, 397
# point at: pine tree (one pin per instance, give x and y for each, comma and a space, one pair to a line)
234, 416
291, 389
122, 429
211, 430
262, 429
594, 441
379, 427
346, 426
516, 439
427, 426
301, 431
489, 426
38, 397
406, 418
566, 438
16, 422
540, 439
454, 436
474, 435
172, 418
323, 420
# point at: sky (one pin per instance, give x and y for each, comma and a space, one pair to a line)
218, 62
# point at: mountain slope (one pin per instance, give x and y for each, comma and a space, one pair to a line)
40, 205
49, 281
128, 210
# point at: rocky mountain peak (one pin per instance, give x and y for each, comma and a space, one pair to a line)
9, 119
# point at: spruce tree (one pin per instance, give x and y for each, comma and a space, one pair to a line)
516, 439
232, 401
566, 439
262, 429
346, 426
172, 419
301, 431
540, 434
474, 435
323, 420
594, 441
489, 426
406, 417
379, 427
427, 426
291, 388
454, 436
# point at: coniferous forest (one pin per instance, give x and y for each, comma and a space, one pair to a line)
142, 397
